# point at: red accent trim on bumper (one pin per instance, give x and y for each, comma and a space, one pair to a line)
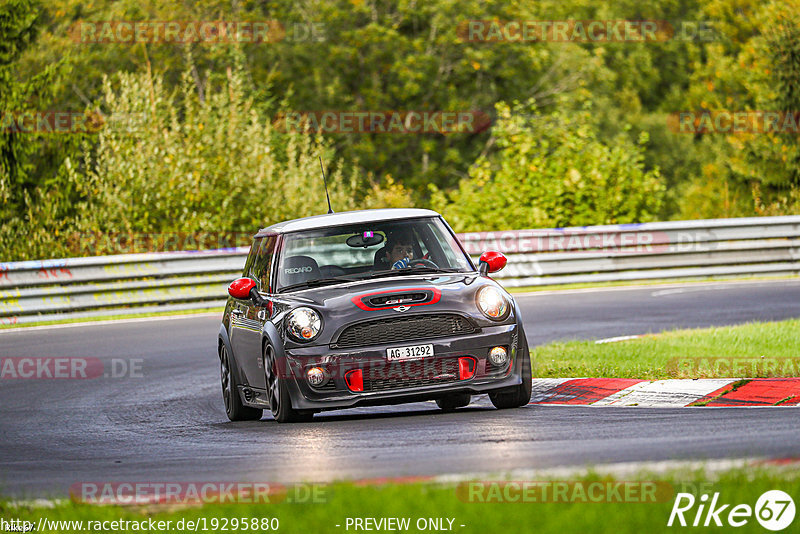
355, 380
467, 365
359, 300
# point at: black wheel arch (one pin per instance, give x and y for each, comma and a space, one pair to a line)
223, 339
270, 334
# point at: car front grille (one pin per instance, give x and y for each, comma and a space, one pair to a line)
411, 374
410, 328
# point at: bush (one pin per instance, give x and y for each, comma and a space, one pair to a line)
178, 162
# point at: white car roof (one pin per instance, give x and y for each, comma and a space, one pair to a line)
345, 217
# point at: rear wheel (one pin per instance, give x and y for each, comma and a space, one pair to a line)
234, 409
280, 403
518, 395
451, 402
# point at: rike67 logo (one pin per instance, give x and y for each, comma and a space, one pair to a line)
774, 510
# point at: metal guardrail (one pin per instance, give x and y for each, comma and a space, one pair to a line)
170, 281
753, 246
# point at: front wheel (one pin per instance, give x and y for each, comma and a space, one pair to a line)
234, 409
520, 395
280, 403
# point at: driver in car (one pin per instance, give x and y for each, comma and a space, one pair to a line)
400, 250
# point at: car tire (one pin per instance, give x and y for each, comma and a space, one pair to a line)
518, 395
234, 408
451, 402
280, 402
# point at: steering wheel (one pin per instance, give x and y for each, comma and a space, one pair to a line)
423, 262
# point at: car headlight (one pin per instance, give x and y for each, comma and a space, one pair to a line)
492, 303
303, 324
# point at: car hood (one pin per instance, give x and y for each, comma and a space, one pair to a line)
340, 304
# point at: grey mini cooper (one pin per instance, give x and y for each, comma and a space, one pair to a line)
368, 308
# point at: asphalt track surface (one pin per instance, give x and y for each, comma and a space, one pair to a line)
169, 424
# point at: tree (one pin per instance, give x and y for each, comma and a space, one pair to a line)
19, 24
754, 171
553, 170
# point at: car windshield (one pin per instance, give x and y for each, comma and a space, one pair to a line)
368, 250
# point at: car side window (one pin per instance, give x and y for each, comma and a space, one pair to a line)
251, 256
262, 267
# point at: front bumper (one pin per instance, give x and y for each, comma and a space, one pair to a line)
407, 381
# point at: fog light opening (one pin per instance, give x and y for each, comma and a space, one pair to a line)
316, 376
498, 356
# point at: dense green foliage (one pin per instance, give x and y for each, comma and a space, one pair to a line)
189, 164
29, 163
580, 131
553, 171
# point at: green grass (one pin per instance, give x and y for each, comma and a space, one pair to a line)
750, 350
424, 500
655, 282
111, 317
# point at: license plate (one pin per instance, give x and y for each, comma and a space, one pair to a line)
409, 353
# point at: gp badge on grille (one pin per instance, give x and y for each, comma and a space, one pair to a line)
398, 298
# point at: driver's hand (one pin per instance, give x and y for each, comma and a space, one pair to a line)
401, 264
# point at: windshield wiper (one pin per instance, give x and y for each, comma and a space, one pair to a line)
316, 283
379, 274
425, 269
